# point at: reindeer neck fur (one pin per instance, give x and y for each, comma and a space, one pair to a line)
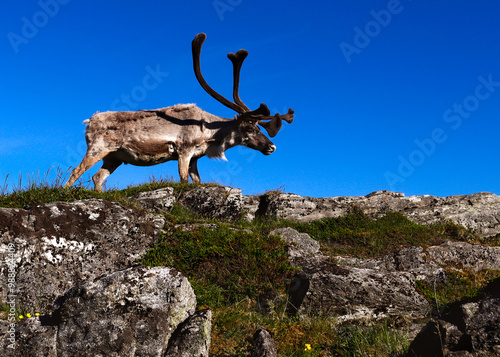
225, 137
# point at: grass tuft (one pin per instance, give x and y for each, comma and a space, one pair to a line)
362, 236
461, 285
224, 265
37, 189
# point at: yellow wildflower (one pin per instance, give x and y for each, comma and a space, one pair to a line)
308, 347
21, 316
28, 315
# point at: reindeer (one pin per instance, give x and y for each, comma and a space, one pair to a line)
182, 132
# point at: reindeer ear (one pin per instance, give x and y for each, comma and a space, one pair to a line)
272, 127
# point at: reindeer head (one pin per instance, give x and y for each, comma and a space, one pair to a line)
247, 120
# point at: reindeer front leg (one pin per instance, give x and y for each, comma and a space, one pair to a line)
184, 160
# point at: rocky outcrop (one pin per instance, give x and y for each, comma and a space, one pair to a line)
213, 202
223, 203
138, 311
263, 345
466, 329
368, 289
326, 288
192, 337
479, 212
161, 200
78, 251
85, 255
428, 264
353, 288
460, 254
60, 245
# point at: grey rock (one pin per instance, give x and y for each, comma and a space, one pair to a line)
299, 244
223, 203
305, 209
251, 206
326, 288
430, 341
479, 212
476, 257
414, 260
353, 288
263, 345
483, 325
427, 264
33, 338
127, 313
192, 337
161, 200
355, 293
60, 245
132, 312
468, 329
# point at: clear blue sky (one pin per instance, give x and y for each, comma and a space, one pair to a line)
396, 95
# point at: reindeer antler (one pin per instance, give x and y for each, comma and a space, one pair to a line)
196, 49
260, 114
237, 59
274, 125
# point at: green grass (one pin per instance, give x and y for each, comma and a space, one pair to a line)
234, 268
461, 285
359, 235
224, 265
38, 189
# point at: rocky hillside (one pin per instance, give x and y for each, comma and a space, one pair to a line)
78, 264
